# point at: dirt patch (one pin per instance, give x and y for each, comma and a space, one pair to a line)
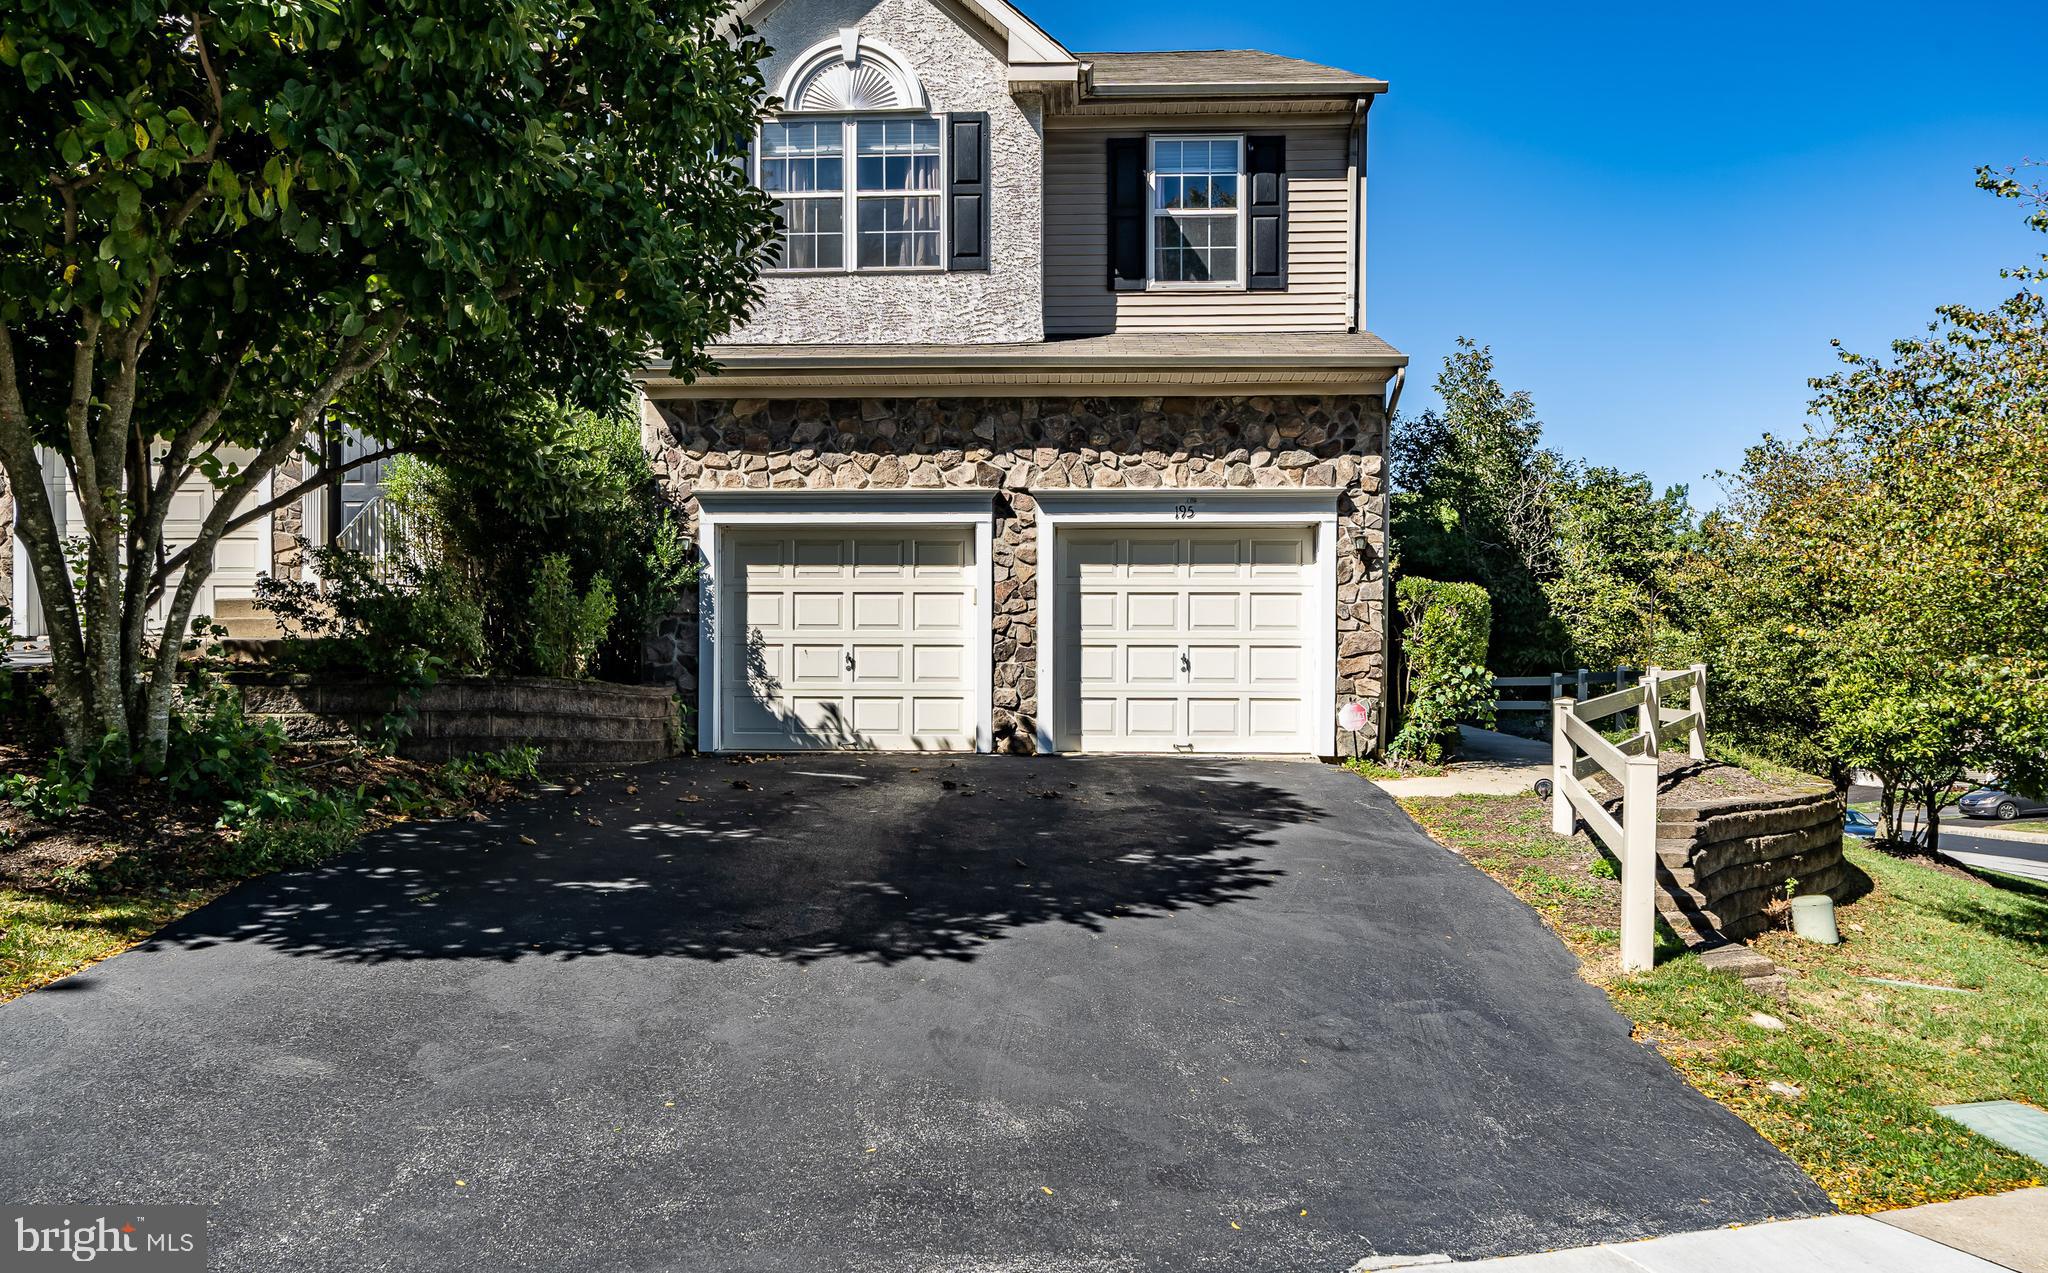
1683, 780
145, 824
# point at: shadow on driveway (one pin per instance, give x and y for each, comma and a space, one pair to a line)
800, 859
876, 1014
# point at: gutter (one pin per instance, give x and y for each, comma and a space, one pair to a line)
1242, 88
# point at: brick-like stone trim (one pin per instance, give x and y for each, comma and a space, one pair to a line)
1015, 444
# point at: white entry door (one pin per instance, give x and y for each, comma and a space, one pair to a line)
1193, 641
857, 639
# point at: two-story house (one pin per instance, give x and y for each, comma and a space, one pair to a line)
1058, 427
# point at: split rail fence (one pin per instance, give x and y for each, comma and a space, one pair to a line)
1580, 750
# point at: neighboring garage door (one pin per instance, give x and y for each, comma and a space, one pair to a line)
1185, 640
847, 640
240, 557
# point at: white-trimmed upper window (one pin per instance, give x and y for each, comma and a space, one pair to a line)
803, 165
1196, 222
896, 171
884, 210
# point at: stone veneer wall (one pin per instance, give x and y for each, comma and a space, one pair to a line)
1722, 861
1020, 443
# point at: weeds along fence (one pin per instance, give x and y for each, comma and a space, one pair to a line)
1579, 750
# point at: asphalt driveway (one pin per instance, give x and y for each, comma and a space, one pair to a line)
879, 1014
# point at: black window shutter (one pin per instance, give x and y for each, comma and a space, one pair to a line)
1127, 214
968, 191
1265, 161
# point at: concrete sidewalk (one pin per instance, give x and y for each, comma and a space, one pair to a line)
1488, 764
2005, 1233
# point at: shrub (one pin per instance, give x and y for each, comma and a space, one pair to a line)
567, 629
421, 620
1446, 627
579, 486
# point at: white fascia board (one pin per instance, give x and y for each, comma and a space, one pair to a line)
896, 503
1264, 503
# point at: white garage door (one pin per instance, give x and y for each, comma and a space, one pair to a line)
847, 640
1185, 640
240, 557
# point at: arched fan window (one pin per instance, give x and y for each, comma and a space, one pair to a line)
858, 98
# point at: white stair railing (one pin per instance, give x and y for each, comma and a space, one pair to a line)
385, 533
1578, 750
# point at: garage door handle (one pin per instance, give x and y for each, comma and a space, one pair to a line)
849, 660
1185, 666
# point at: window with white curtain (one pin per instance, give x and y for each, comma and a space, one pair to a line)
889, 216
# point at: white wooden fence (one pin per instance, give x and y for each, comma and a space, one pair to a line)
1577, 684
1578, 750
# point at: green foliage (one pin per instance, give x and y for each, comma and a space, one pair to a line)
406, 216
296, 829
1875, 594
409, 624
216, 752
566, 627
1446, 627
1569, 554
573, 483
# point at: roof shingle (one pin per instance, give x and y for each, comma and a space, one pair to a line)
1208, 70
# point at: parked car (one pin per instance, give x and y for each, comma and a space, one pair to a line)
1858, 824
1996, 802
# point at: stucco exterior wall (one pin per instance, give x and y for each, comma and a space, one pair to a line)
960, 72
1015, 444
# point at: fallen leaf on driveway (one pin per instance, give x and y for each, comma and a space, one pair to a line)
527, 839
742, 784
690, 798
1043, 1189
632, 790
593, 822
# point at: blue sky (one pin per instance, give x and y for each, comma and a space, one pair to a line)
1658, 215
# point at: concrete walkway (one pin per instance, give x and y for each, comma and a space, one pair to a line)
2006, 1233
1488, 764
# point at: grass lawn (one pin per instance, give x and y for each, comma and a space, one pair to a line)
43, 937
1860, 1063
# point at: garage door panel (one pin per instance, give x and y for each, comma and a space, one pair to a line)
878, 610
1214, 718
816, 663
1152, 664
1185, 639
1275, 717
1213, 664
873, 663
857, 639
1152, 611
938, 716
1213, 611
1275, 611
936, 663
1275, 664
939, 556
1151, 717
820, 558
817, 610
933, 611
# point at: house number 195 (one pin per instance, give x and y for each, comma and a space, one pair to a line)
1184, 512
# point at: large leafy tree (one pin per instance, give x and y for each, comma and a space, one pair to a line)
1876, 593
221, 222
1570, 553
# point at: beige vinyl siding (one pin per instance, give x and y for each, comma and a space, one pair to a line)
1078, 300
